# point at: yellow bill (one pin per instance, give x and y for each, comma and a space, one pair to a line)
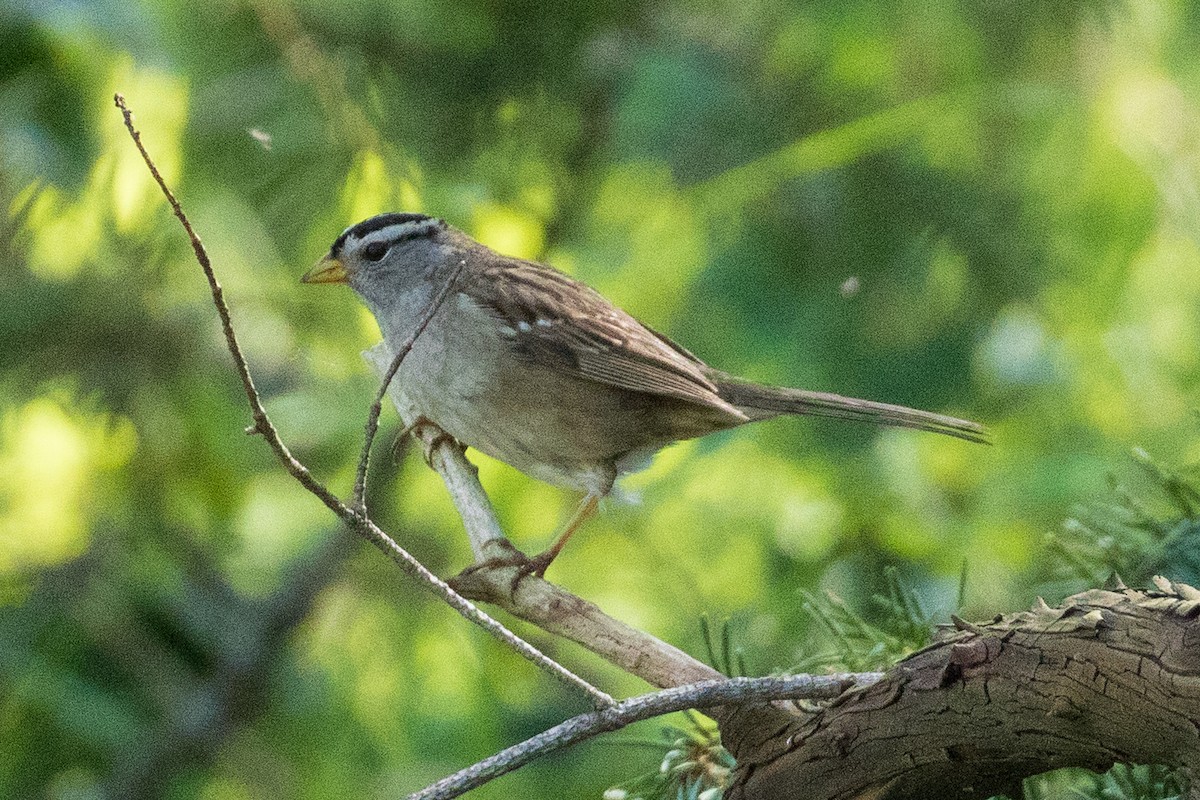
327, 270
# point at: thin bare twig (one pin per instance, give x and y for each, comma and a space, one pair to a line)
696, 695
359, 500
359, 522
262, 423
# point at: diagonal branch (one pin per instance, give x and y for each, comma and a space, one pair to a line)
262, 423
705, 694
357, 521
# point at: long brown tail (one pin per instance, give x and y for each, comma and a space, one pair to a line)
763, 402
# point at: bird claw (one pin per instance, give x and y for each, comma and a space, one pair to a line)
400, 446
441, 438
512, 557
535, 566
428, 447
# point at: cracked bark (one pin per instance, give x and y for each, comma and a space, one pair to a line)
1112, 675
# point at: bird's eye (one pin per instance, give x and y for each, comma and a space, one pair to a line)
375, 251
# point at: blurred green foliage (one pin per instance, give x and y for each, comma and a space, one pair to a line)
977, 207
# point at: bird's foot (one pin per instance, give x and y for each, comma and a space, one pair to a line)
417, 428
535, 566
468, 581
400, 446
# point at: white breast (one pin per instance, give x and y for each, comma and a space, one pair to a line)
451, 376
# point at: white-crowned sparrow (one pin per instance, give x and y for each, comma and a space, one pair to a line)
538, 370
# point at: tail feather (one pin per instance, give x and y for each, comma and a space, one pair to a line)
763, 402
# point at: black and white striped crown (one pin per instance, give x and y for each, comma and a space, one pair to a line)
407, 225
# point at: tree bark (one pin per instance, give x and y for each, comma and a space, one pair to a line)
1113, 675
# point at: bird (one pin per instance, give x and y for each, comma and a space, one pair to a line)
538, 370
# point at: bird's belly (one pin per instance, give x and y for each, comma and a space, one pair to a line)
514, 420
555, 427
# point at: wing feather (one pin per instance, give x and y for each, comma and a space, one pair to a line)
564, 324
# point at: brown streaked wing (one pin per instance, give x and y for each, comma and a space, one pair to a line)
565, 324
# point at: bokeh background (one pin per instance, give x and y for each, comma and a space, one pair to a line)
983, 208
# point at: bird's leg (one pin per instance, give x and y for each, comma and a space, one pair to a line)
538, 564
525, 565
